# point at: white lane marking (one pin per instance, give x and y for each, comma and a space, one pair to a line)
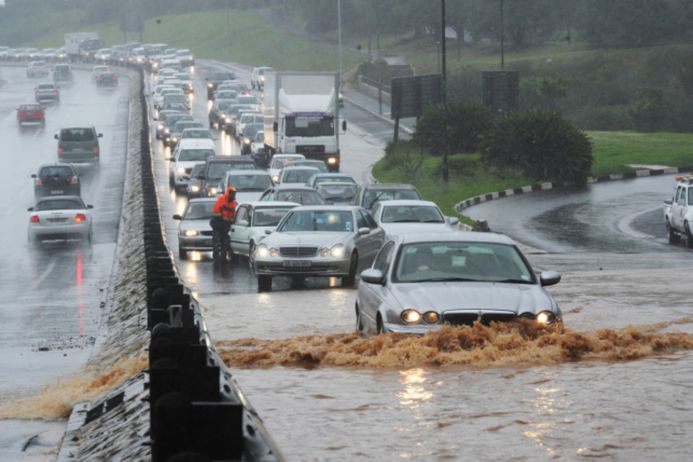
625, 227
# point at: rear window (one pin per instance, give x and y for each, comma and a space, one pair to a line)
77, 134
187, 155
46, 86
61, 172
218, 169
303, 197
373, 196
60, 204
250, 182
30, 107
269, 217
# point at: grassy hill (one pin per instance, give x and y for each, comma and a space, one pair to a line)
240, 36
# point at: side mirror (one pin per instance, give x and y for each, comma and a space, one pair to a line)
177, 217
89, 206
269, 231
33, 175
668, 202
171, 158
30, 209
453, 221
549, 278
56, 137
344, 125
373, 276
100, 135
364, 231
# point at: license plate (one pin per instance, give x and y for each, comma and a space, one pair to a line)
297, 263
57, 192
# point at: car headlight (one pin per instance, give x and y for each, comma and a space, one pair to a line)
246, 140
180, 170
337, 251
331, 160
174, 139
431, 317
212, 190
275, 178
195, 188
160, 126
210, 85
167, 131
191, 233
227, 120
546, 318
411, 316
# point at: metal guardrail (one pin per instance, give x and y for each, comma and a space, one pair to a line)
384, 86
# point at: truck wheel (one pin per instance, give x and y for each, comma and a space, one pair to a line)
689, 237
264, 283
671, 234
350, 280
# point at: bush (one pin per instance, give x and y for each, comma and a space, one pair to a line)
464, 123
405, 157
540, 144
651, 112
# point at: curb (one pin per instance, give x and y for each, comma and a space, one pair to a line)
556, 185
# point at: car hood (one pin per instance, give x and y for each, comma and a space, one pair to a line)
306, 238
394, 229
250, 196
200, 225
445, 296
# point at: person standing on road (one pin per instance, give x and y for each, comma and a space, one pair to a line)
223, 216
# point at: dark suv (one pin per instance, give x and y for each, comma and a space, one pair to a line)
62, 73
215, 169
215, 78
56, 180
78, 144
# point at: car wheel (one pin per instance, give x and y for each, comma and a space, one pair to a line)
359, 320
350, 280
671, 234
182, 253
264, 283
171, 182
380, 326
689, 237
251, 256
89, 236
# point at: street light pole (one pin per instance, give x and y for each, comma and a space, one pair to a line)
443, 90
339, 33
502, 35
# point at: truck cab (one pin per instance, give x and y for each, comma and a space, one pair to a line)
678, 212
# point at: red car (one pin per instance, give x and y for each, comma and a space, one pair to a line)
31, 114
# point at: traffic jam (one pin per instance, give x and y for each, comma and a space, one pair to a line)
350, 310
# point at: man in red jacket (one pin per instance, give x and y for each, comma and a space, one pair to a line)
223, 216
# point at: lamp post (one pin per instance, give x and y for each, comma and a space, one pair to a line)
502, 35
443, 91
339, 38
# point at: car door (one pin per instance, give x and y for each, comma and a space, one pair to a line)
239, 231
372, 296
677, 208
373, 241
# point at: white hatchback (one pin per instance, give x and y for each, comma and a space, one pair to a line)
188, 153
59, 218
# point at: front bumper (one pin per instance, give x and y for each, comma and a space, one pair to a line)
416, 329
317, 267
195, 243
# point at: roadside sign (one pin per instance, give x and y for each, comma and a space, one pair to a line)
411, 96
501, 90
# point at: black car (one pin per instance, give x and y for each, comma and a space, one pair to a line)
62, 73
248, 137
369, 194
215, 169
56, 180
215, 78
169, 121
219, 113
177, 128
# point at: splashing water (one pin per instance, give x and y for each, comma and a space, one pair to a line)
479, 346
56, 400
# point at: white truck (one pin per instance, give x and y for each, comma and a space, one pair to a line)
82, 44
301, 115
678, 212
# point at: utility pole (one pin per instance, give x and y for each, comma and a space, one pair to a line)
443, 90
339, 33
502, 37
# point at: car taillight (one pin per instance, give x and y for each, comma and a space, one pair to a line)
39, 181
73, 180
80, 217
22, 115
61, 149
34, 219
115, 77
95, 150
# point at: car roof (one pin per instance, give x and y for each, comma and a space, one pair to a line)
288, 156
458, 236
293, 187
202, 199
339, 208
196, 142
389, 186
267, 204
299, 167
336, 183
247, 172
406, 202
57, 164
224, 159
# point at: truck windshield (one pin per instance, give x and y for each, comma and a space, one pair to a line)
310, 126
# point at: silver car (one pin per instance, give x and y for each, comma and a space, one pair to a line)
249, 184
253, 220
194, 231
419, 282
319, 241
410, 216
59, 218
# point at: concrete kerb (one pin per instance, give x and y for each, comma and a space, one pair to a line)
460, 206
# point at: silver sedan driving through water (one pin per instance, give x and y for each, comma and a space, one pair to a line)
419, 282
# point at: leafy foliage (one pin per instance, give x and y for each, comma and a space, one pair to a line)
541, 145
459, 128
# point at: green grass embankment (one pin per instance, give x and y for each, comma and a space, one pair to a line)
469, 177
240, 36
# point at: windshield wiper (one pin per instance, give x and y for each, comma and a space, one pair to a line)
514, 281
448, 279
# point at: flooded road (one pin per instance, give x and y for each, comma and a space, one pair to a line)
614, 405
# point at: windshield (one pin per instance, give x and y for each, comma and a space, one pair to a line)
303, 197
327, 178
201, 133
183, 124
319, 220
269, 217
250, 182
281, 162
60, 204
247, 100
298, 175
411, 214
199, 210
373, 196
175, 98
195, 154
467, 261
309, 125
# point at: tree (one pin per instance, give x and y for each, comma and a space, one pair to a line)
458, 129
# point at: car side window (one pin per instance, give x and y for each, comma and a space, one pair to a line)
681, 197
376, 209
241, 214
369, 219
361, 221
382, 260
